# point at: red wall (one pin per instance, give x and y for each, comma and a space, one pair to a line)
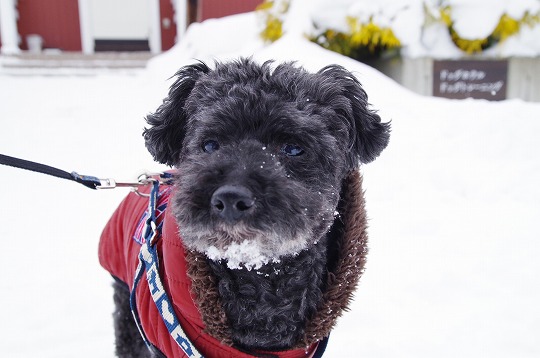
168, 35
57, 21
220, 8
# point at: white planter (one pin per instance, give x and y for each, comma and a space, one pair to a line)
35, 43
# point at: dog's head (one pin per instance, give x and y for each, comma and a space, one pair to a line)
261, 154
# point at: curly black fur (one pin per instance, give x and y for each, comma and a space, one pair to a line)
269, 306
251, 113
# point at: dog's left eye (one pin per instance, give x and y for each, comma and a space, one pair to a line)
210, 146
292, 150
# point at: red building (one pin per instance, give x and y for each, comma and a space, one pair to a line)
104, 25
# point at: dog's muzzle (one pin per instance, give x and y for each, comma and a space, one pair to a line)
232, 202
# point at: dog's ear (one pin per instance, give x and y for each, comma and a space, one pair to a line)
369, 136
167, 129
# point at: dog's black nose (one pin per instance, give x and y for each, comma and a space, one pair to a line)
232, 202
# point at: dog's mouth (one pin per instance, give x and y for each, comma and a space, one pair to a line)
250, 238
241, 246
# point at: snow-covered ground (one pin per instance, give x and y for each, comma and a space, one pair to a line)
453, 205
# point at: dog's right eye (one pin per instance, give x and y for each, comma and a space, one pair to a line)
210, 146
292, 150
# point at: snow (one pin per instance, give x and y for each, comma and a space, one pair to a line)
466, 14
452, 202
246, 254
463, 13
525, 44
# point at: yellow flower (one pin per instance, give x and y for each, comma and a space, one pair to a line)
266, 5
530, 20
388, 38
272, 13
470, 46
273, 30
506, 27
370, 35
446, 16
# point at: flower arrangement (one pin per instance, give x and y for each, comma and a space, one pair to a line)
368, 31
506, 27
362, 41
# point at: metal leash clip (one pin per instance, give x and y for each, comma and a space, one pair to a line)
143, 180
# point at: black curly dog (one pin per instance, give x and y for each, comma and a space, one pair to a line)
263, 151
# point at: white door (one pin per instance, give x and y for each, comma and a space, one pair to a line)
118, 25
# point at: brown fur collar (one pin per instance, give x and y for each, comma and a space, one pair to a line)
341, 280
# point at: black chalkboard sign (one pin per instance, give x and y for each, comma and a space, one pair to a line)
470, 79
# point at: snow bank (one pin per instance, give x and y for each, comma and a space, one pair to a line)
209, 40
288, 48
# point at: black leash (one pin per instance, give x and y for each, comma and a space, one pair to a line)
86, 180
